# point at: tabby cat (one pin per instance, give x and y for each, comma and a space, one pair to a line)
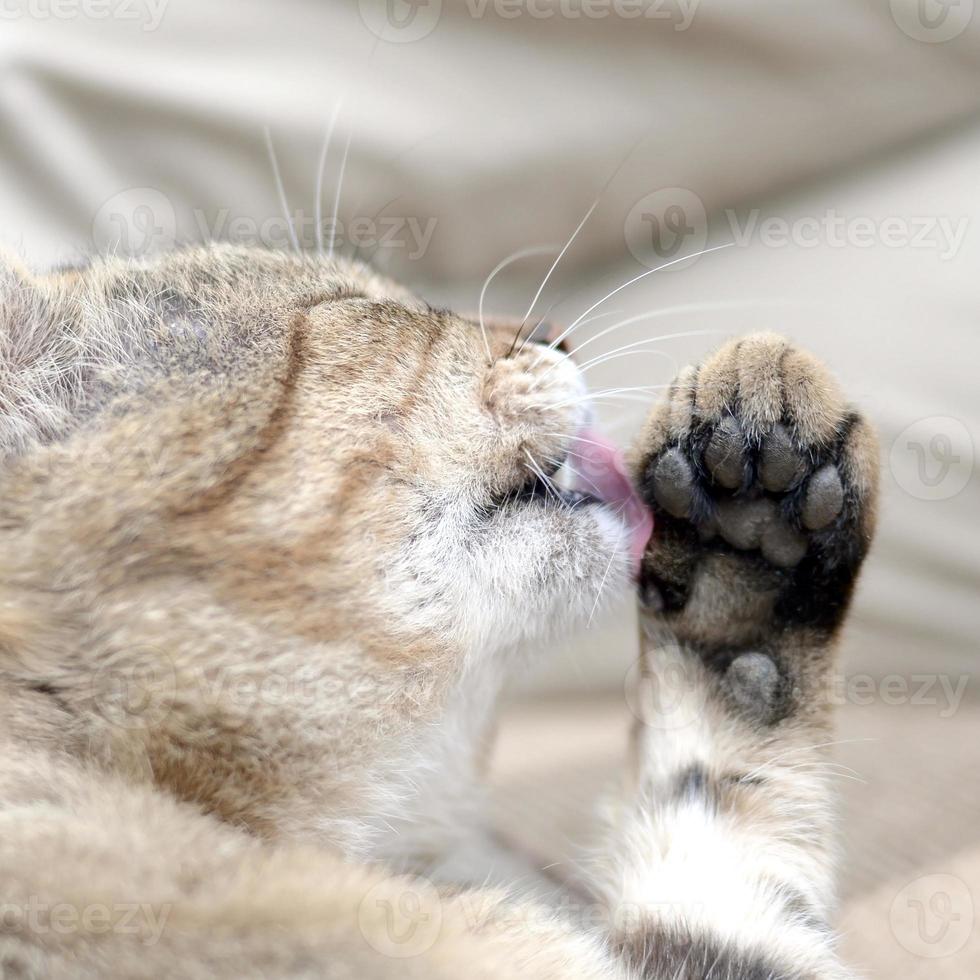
272, 534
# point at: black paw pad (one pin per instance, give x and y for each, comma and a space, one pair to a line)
754, 682
782, 545
824, 498
743, 522
725, 454
673, 483
781, 466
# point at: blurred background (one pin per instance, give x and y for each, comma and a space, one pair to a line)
832, 145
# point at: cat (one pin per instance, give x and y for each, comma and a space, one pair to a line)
274, 532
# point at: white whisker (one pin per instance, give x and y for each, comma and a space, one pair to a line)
602, 583
499, 267
670, 310
606, 393
280, 188
549, 485
612, 176
324, 150
554, 265
624, 352
637, 343
642, 275
336, 200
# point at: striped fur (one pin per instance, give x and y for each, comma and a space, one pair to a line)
223, 467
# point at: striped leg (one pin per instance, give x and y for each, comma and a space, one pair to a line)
763, 484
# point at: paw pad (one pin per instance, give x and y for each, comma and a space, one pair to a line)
725, 455
824, 498
781, 466
740, 490
764, 482
673, 483
754, 681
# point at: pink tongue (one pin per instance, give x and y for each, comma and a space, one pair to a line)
600, 465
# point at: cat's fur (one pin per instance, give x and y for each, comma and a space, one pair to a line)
264, 564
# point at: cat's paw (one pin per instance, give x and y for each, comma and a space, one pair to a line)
763, 483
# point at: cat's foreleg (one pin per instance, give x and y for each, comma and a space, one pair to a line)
763, 484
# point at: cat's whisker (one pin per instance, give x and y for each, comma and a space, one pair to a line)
707, 307
797, 749
541, 356
321, 167
620, 288
544, 316
618, 551
336, 200
614, 355
594, 395
635, 348
280, 188
554, 265
577, 438
588, 214
540, 474
522, 253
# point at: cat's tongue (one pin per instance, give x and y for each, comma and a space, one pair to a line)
603, 473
